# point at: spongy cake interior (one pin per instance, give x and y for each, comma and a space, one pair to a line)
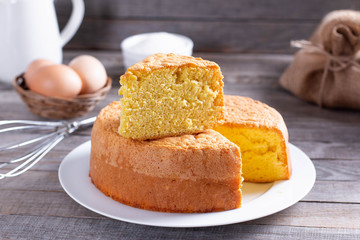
168, 101
261, 151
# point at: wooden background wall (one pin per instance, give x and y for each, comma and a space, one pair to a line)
239, 26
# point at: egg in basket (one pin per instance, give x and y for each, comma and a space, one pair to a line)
63, 91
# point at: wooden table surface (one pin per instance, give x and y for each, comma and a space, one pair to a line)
34, 205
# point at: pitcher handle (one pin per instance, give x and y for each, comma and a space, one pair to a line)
74, 21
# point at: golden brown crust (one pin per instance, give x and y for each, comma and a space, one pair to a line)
184, 163
161, 60
166, 194
248, 113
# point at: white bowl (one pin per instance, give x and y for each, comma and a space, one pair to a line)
138, 47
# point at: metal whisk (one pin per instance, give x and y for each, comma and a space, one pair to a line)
55, 132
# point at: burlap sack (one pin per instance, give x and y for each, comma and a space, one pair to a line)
326, 70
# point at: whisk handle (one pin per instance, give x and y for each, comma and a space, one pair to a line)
87, 122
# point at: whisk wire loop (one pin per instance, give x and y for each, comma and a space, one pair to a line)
44, 144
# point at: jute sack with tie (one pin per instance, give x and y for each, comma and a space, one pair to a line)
326, 70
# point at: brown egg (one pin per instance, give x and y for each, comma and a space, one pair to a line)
35, 66
91, 71
57, 81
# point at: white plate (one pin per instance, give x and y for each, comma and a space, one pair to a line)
259, 200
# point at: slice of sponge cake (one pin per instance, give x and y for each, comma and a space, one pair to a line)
169, 95
262, 136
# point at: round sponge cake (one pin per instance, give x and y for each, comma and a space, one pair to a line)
188, 173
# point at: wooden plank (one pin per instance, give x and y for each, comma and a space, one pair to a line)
59, 204
274, 96
211, 9
247, 27
314, 214
330, 150
247, 68
307, 117
321, 135
337, 170
42, 203
268, 65
220, 36
40, 181
17, 227
334, 191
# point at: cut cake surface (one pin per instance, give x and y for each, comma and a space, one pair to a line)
169, 95
261, 134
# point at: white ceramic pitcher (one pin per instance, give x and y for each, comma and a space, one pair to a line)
29, 30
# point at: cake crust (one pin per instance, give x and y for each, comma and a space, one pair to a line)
161, 60
189, 173
251, 113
